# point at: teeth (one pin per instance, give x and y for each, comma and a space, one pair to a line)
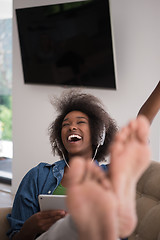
71, 137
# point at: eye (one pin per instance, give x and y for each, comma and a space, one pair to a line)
65, 124
79, 122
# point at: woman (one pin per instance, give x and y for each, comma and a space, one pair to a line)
82, 128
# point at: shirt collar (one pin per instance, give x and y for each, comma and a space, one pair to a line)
62, 164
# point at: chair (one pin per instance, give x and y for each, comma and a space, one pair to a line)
4, 225
148, 207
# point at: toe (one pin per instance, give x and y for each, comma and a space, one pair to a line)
76, 172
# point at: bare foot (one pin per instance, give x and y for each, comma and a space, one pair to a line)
130, 156
91, 201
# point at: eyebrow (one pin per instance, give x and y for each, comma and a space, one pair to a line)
66, 119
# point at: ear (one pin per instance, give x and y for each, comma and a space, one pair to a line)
56, 141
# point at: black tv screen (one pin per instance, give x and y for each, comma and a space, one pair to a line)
67, 44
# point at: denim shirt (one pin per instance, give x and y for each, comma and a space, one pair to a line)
42, 179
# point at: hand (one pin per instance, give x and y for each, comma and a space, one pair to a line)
39, 223
42, 221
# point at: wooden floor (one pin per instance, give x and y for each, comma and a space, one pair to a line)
6, 198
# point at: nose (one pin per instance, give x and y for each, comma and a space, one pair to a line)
73, 128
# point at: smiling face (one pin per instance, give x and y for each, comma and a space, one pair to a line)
76, 135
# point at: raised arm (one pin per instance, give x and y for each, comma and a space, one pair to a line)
152, 105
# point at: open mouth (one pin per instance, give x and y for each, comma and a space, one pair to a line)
74, 138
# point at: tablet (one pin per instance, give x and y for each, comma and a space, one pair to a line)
52, 202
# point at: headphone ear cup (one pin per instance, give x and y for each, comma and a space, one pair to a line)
102, 136
101, 140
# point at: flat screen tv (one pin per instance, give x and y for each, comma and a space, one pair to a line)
67, 44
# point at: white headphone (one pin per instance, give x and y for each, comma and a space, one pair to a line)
101, 140
102, 136
62, 153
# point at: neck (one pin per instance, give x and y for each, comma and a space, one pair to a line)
87, 157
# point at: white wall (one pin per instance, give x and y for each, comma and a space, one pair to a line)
137, 52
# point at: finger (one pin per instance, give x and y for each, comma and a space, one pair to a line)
57, 213
52, 213
44, 224
51, 220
